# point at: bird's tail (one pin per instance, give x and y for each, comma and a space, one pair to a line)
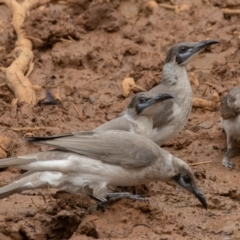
27, 181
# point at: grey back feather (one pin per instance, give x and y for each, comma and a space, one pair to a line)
119, 123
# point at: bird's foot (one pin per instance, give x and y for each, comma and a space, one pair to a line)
102, 205
113, 197
226, 163
117, 196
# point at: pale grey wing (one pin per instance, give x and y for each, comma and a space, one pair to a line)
120, 123
41, 156
230, 104
114, 147
164, 112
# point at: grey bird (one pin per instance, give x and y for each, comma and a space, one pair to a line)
171, 116
88, 162
230, 118
137, 117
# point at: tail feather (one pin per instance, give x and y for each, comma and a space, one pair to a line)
6, 162
28, 181
30, 158
41, 139
44, 138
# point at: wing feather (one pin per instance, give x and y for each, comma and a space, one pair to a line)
114, 147
164, 112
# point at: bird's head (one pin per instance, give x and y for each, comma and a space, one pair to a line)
144, 104
183, 53
184, 177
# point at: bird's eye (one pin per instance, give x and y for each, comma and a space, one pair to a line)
187, 179
142, 99
183, 49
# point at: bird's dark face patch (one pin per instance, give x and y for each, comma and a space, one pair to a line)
144, 103
142, 99
138, 98
141, 103
187, 181
177, 52
184, 51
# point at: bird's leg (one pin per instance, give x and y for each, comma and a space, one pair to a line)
226, 162
113, 197
101, 202
120, 195
97, 198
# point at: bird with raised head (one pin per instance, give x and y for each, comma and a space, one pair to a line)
171, 116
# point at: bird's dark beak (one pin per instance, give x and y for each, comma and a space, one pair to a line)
199, 46
192, 187
152, 101
199, 195
195, 49
159, 98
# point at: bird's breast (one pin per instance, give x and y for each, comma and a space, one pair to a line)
232, 127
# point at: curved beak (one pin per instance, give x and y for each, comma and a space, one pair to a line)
199, 195
152, 101
159, 98
199, 46
192, 187
195, 49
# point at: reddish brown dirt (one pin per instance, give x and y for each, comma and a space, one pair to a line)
83, 51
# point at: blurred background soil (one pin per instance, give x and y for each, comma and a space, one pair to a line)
82, 52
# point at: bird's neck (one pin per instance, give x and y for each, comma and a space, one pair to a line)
142, 125
173, 74
175, 78
163, 168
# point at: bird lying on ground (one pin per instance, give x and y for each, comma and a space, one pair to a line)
88, 162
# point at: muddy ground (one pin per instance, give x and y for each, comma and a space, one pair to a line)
82, 52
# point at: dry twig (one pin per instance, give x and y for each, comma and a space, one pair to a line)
78, 113
229, 11
176, 8
199, 163
216, 87
19, 129
34, 204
